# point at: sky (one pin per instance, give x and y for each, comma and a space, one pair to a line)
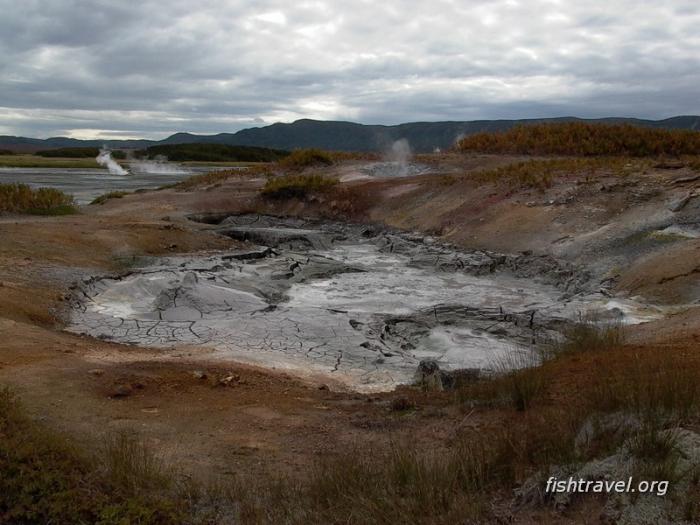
126, 69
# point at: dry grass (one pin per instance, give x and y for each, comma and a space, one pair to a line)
43, 479
541, 174
210, 179
20, 198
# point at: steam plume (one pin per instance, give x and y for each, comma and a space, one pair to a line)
105, 159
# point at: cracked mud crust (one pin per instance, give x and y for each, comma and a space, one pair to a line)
360, 305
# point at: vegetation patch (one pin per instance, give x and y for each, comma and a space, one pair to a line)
78, 153
540, 174
306, 158
45, 480
35, 161
6, 152
583, 139
20, 198
296, 186
209, 179
212, 153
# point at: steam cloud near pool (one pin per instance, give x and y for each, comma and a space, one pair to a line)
105, 159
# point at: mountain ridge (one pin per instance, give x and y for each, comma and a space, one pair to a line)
340, 135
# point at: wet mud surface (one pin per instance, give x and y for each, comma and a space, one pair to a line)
358, 304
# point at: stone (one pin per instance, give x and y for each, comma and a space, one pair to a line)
96, 372
120, 391
679, 203
198, 374
428, 375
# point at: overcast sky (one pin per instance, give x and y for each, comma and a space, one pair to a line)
149, 68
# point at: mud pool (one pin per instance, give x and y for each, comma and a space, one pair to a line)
353, 304
87, 183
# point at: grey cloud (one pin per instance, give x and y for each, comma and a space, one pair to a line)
152, 68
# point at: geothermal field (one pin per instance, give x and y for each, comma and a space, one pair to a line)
247, 326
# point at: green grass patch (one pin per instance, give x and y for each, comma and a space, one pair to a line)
296, 186
20, 198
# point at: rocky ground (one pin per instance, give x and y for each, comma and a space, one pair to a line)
633, 239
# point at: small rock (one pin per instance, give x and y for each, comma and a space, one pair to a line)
96, 372
229, 380
428, 375
198, 374
679, 203
323, 387
121, 391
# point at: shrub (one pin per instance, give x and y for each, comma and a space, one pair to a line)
20, 198
6, 152
306, 158
584, 139
296, 186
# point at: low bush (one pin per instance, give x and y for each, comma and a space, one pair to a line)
20, 198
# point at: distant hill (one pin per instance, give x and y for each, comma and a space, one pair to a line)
340, 136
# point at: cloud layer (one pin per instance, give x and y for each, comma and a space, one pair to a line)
126, 69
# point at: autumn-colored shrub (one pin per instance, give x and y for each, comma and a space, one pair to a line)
306, 158
20, 198
583, 139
